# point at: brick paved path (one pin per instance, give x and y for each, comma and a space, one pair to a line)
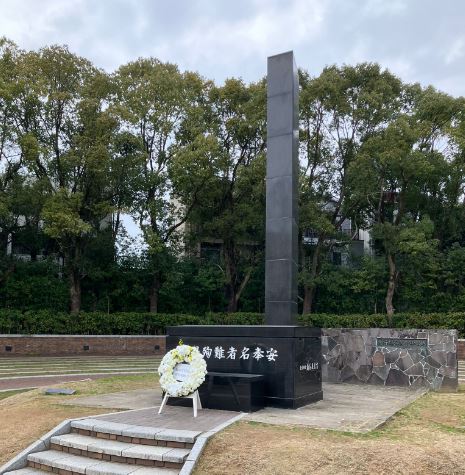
172, 417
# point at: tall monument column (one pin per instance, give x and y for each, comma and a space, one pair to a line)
282, 175
287, 356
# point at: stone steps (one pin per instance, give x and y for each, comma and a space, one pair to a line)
27, 471
181, 439
68, 464
101, 447
115, 451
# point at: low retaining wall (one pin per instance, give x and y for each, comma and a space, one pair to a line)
90, 345
461, 350
391, 357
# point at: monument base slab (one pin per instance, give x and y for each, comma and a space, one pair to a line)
289, 358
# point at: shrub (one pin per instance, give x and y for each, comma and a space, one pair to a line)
134, 323
453, 320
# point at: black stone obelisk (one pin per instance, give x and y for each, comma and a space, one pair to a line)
282, 174
286, 355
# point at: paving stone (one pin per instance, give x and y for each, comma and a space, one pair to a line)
112, 468
347, 374
405, 362
435, 338
415, 370
75, 463
364, 372
375, 379
397, 378
187, 468
178, 435
86, 424
451, 359
155, 471
107, 427
176, 455
378, 359
440, 357
146, 452
47, 457
109, 447
76, 441
64, 391
141, 432
25, 471
381, 371
420, 382
197, 449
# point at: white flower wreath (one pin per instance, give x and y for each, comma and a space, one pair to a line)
198, 370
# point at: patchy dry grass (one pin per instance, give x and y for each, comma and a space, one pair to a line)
427, 437
5, 394
26, 416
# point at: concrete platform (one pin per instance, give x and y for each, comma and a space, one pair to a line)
345, 407
172, 417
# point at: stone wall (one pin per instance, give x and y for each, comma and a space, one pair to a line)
424, 358
90, 345
461, 350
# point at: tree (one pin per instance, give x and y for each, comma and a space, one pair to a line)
339, 111
232, 206
65, 139
154, 101
10, 158
402, 173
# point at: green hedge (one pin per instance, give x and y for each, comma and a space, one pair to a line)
98, 323
454, 320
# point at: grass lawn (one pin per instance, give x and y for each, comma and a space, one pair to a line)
5, 394
25, 416
427, 437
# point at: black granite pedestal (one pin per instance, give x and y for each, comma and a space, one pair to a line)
289, 357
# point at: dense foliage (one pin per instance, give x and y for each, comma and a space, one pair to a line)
82, 150
132, 323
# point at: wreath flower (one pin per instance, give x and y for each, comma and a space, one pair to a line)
198, 370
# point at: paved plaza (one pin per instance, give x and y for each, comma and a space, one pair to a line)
345, 407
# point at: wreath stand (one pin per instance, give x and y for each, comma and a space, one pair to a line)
196, 403
181, 372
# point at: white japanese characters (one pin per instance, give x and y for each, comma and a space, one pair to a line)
243, 353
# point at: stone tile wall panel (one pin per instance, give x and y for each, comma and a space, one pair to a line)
461, 350
353, 356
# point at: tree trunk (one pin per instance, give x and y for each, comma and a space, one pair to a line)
309, 295
391, 287
232, 300
234, 294
75, 291
231, 275
154, 294
310, 289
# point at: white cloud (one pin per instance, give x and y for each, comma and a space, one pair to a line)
384, 7
273, 29
225, 38
456, 51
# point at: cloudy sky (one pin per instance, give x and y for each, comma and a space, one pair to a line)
419, 40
